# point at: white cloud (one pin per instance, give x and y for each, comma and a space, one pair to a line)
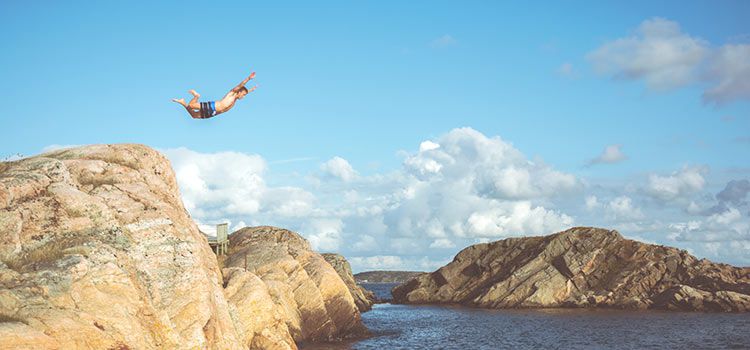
324, 234
659, 52
622, 208
727, 226
592, 202
516, 219
495, 168
686, 181
665, 57
339, 168
442, 243
611, 154
443, 41
730, 68
428, 146
216, 186
451, 191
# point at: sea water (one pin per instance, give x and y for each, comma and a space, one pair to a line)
442, 327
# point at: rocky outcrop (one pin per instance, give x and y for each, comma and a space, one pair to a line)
300, 291
362, 297
581, 267
386, 276
98, 252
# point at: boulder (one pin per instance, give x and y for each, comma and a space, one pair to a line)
580, 267
309, 298
362, 297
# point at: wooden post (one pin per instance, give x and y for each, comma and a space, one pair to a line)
245, 261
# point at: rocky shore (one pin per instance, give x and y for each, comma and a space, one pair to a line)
98, 252
580, 267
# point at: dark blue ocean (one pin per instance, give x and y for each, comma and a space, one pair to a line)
433, 327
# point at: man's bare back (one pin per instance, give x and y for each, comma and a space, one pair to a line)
205, 110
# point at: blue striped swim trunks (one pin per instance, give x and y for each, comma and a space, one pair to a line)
208, 109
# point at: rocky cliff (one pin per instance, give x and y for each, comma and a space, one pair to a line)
362, 297
581, 267
308, 297
98, 252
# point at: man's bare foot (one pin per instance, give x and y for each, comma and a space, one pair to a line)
252, 76
252, 89
194, 93
179, 100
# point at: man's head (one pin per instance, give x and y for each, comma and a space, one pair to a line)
241, 92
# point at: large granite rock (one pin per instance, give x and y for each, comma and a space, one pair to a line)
581, 267
98, 252
307, 296
362, 297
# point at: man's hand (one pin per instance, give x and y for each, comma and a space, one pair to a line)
252, 75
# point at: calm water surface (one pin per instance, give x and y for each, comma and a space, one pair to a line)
433, 327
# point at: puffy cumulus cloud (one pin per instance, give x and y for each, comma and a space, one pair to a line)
442, 243
678, 184
611, 154
592, 202
515, 219
622, 208
659, 52
735, 192
229, 186
727, 226
324, 234
665, 57
339, 168
457, 189
494, 167
468, 185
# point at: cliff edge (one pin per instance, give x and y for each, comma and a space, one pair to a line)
98, 251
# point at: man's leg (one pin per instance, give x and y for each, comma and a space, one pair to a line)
194, 102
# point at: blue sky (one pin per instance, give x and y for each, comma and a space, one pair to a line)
368, 82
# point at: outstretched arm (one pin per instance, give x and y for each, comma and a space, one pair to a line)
252, 75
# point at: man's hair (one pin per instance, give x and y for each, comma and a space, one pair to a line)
242, 89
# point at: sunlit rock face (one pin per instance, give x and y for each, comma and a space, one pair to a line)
362, 297
581, 267
98, 252
309, 298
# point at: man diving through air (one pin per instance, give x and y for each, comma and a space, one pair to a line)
205, 110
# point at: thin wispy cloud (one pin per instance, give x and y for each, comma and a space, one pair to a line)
566, 70
443, 42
